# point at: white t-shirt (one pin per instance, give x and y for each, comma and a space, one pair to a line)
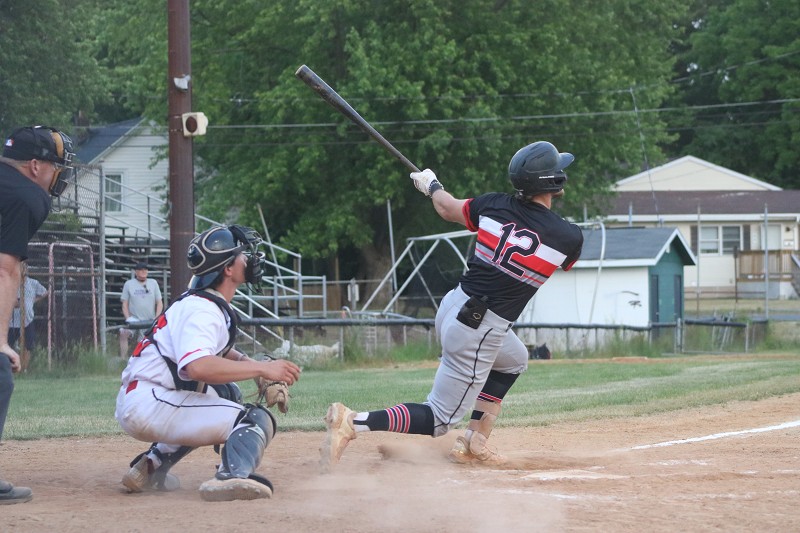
33, 290
191, 328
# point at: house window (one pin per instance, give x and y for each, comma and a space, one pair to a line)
720, 240
113, 193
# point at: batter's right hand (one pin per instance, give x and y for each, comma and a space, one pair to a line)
5, 349
280, 370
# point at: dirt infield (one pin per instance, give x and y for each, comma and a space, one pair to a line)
694, 470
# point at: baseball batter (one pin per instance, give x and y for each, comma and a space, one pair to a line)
520, 243
178, 389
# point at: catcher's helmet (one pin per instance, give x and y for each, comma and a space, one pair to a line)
44, 144
214, 249
538, 168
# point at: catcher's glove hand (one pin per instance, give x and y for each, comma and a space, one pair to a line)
273, 393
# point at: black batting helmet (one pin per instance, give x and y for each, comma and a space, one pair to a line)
537, 168
214, 249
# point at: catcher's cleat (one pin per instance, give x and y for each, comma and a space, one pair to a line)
9, 494
226, 490
339, 421
474, 451
142, 476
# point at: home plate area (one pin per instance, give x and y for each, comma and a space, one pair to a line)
721, 470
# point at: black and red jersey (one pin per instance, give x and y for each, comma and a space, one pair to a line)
520, 244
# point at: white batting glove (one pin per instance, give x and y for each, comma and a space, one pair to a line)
426, 182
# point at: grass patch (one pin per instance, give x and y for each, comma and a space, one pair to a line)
550, 391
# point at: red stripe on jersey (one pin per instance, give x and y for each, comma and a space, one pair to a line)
188, 354
144, 343
467, 220
531, 262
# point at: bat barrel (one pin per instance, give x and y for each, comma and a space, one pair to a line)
318, 85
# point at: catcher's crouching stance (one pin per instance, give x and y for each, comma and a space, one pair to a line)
178, 390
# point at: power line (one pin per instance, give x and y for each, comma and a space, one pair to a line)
547, 116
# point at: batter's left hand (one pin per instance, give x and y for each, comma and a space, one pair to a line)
280, 370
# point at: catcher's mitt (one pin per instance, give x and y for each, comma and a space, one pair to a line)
273, 393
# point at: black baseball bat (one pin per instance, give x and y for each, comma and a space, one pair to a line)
318, 85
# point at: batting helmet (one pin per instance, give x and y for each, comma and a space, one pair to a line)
538, 168
44, 144
214, 249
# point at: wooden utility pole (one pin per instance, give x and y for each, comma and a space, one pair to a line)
181, 168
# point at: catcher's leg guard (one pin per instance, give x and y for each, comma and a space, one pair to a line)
235, 479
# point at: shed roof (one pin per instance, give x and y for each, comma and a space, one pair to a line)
626, 247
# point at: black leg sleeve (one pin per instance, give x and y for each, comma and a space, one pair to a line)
495, 389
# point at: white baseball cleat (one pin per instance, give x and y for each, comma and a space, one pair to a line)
226, 490
140, 478
339, 421
475, 451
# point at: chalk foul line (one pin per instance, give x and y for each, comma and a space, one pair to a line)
715, 436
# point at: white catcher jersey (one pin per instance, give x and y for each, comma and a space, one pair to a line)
191, 328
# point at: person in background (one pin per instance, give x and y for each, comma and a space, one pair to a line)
141, 302
30, 292
36, 164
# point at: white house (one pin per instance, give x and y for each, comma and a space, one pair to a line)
129, 159
729, 219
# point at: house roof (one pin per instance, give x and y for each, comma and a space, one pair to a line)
638, 203
627, 247
692, 173
100, 139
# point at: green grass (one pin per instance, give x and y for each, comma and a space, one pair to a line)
551, 391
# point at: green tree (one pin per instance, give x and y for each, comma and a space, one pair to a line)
457, 86
48, 74
739, 88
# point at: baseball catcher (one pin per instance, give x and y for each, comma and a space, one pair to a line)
178, 390
520, 244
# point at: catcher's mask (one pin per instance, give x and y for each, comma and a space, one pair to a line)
214, 249
44, 144
538, 168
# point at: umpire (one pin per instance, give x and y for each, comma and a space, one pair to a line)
36, 163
